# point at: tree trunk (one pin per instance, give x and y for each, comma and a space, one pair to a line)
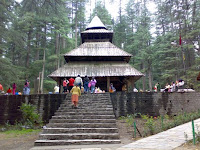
150, 78
90, 10
56, 49
37, 44
144, 78
43, 66
194, 12
144, 83
13, 54
76, 23
42, 76
120, 11
171, 17
63, 47
28, 48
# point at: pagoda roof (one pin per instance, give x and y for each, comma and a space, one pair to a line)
96, 69
97, 31
96, 23
97, 49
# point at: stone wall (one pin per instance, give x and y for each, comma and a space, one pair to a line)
46, 105
154, 104
124, 103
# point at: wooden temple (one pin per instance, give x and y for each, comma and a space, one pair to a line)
98, 57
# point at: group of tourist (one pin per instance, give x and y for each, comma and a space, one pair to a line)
173, 87
85, 85
13, 90
77, 86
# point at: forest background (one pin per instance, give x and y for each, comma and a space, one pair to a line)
34, 35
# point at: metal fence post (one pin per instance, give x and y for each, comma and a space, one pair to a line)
134, 129
162, 122
193, 131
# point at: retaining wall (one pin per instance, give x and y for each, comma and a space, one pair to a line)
46, 105
124, 103
154, 104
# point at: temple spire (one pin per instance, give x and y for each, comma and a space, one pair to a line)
96, 23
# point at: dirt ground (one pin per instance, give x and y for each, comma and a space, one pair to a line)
25, 142
21, 142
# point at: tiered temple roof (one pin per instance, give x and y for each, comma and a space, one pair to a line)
97, 56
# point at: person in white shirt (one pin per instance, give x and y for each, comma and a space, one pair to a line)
56, 89
135, 90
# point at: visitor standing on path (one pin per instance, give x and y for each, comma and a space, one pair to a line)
93, 83
65, 82
14, 88
71, 84
85, 84
26, 89
76, 92
78, 81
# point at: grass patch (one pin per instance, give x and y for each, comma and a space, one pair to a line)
18, 133
149, 125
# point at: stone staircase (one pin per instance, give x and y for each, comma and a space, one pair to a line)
93, 122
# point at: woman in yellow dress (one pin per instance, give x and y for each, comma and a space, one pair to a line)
76, 92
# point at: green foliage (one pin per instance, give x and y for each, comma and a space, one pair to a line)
149, 123
49, 85
30, 118
197, 135
27, 29
102, 13
130, 119
15, 133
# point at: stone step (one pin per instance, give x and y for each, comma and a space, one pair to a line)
75, 142
81, 125
82, 121
80, 130
95, 99
93, 122
83, 110
84, 113
84, 117
86, 109
86, 106
90, 96
79, 136
89, 102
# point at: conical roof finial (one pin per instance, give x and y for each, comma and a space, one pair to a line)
96, 24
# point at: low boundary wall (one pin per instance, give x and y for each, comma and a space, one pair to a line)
46, 105
153, 103
124, 103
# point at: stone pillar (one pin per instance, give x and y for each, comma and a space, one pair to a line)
108, 83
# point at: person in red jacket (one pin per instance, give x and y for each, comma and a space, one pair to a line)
71, 84
9, 91
65, 82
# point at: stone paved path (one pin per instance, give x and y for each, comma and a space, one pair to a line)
167, 140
